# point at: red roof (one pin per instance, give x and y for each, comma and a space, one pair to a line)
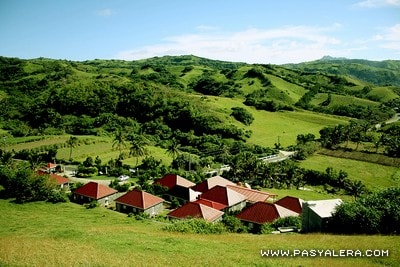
211, 182
139, 199
51, 165
171, 180
263, 212
292, 203
223, 195
95, 190
251, 194
59, 179
196, 210
212, 204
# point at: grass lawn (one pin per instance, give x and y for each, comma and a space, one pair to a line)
67, 234
371, 174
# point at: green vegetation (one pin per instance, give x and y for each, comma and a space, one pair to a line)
188, 115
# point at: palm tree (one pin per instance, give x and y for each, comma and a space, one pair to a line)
138, 147
71, 142
173, 148
119, 141
355, 188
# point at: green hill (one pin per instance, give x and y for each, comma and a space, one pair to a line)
169, 97
373, 72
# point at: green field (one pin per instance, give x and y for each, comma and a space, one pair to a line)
267, 127
67, 234
371, 174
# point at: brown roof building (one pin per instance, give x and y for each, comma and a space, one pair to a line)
196, 210
211, 182
94, 191
137, 201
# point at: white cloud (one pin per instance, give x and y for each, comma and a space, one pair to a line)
377, 3
390, 38
254, 45
107, 12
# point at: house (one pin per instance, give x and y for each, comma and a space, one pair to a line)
171, 180
179, 188
94, 192
196, 210
292, 203
210, 183
233, 200
49, 168
137, 201
251, 195
182, 194
315, 214
262, 212
62, 182
212, 204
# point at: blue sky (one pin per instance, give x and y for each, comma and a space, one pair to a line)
252, 31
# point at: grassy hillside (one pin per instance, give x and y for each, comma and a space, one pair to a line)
42, 234
371, 174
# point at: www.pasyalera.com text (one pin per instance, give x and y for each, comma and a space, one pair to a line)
324, 253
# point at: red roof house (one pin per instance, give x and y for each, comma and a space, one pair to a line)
196, 210
210, 183
251, 195
61, 181
137, 201
292, 203
94, 191
212, 204
178, 188
263, 212
171, 180
224, 195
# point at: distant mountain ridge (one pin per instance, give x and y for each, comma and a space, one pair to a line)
386, 72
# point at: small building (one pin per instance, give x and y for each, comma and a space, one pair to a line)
93, 191
251, 195
62, 182
137, 201
233, 200
262, 212
196, 210
179, 188
172, 180
211, 182
315, 214
292, 203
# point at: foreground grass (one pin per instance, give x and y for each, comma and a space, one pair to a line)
42, 234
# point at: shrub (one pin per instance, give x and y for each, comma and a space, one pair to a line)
242, 115
92, 205
287, 221
233, 224
196, 226
267, 228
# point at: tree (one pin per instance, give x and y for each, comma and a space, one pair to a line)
173, 148
71, 142
119, 141
355, 188
138, 147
